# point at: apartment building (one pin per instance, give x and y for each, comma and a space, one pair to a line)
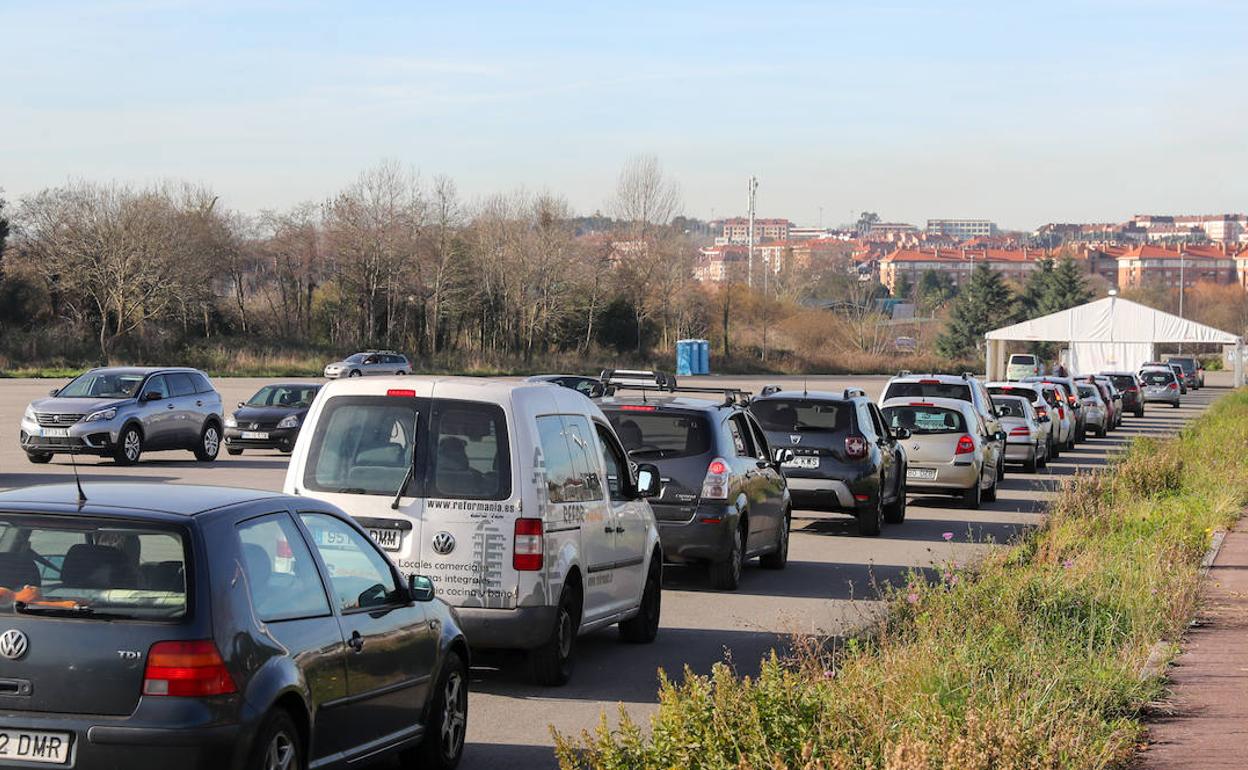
1013, 264
1149, 264
1223, 228
962, 229
737, 230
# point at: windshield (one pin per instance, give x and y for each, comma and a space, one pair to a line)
1010, 407
364, 445
1122, 381
660, 435
929, 389
1156, 377
91, 568
797, 415
104, 384
925, 419
289, 396
1188, 364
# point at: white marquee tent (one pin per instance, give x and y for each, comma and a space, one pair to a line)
1109, 334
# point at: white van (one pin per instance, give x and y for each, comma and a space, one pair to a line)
516, 498
1022, 365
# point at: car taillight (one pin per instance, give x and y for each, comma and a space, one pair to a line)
528, 546
637, 408
1042, 412
401, 393
966, 445
1174, 386
1071, 398
855, 447
1021, 430
186, 669
715, 485
1061, 413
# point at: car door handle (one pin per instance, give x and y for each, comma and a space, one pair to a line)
170, 406
608, 530
618, 530
199, 403
356, 642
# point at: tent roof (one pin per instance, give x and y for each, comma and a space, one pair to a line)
1112, 319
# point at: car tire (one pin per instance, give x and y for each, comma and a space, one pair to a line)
990, 494
871, 522
1139, 412
973, 497
129, 446
209, 445
400, 373
1175, 405
1032, 465
354, 373
39, 458
643, 627
443, 745
895, 512
726, 574
278, 745
551, 663
233, 452
779, 558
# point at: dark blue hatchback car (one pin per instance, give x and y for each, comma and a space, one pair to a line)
160, 626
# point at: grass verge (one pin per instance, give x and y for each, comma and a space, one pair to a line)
1030, 660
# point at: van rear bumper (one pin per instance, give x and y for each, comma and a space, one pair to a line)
522, 628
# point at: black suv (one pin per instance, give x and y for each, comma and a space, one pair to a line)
723, 498
845, 457
159, 625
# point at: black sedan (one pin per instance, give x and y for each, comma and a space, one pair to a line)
270, 419
159, 626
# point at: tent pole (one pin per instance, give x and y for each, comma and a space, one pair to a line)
1239, 362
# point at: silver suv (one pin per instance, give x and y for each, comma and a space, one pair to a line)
385, 362
122, 412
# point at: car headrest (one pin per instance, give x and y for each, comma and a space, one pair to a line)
17, 570
97, 566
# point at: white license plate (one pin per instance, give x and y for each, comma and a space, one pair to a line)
32, 746
388, 539
803, 462
255, 435
56, 432
926, 474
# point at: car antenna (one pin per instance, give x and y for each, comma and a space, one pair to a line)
82, 496
805, 394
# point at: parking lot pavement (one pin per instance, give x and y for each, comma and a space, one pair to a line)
829, 586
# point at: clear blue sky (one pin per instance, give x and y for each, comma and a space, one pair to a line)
1019, 112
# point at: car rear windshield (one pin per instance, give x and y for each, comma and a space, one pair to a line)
1122, 381
1010, 407
1188, 364
1157, 377
366, 445
932, 389
797, 415
1024, 359
656, 435
91, 568
1006, 390
925, 419
1088, 391
103, 385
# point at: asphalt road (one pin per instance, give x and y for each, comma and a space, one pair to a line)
829, 586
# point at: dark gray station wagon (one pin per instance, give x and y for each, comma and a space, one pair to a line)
166, 626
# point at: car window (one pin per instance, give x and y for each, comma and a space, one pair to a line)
201, 383
281, 573
1157, 377
615, 463
571, 473
288, 396
1010, 407
877, 421
654, 435
180, 384
929, 389
799, 415
1023, 359
359, 576
923, 420
363, 446
760, 439
157, 384
865, 425
742, 440
91, 568
469, 451
105, 384
584, 457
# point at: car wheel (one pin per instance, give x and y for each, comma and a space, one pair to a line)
726, 574
39, 458
209, 443
972, 497
990, 494
278, 745
895, 512
443, 744
643, 627
1033, 464
1175, 405
354, 373
779, 558
551, 663
233, 451
129, 446
400, 373
1139, 412
871, 522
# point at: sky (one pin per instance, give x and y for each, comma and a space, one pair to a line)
1022, 113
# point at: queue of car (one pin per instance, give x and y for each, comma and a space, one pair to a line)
426, 517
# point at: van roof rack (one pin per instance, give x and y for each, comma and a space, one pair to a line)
769, 390
855, 393
646, 381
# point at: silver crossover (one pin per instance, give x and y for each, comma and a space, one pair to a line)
121, 412
950, 449
1160, 385
384, 362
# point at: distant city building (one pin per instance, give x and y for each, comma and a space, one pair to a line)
1148, 264
1224, 228
962, 229
808, 233
1013, 264
891, 231
737, 230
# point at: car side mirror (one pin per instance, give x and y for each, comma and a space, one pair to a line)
648, 480
999, 435
240, 404
901, 434
420, 588
54, 391
784, 455
152, 395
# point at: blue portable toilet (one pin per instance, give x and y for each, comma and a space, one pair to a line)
686, 357
704, 356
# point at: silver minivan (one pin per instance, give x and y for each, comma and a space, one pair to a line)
122, 412
372, 362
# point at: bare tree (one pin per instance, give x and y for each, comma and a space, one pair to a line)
645, 199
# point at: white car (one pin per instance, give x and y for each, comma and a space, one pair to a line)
516, 498
371, 363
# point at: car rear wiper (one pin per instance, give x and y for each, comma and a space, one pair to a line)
411, 468
75, 611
